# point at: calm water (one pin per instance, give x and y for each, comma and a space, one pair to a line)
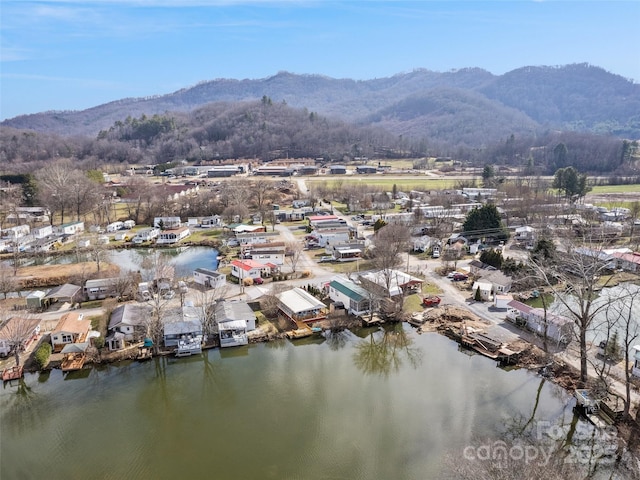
372, 406
184, 259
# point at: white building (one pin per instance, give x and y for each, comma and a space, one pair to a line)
209, 278
167, 222
71, 228
173, 236
115, 226
146, 235
233, 321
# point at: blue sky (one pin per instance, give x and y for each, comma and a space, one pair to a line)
75, 54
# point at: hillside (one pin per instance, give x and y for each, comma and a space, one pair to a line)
467, 107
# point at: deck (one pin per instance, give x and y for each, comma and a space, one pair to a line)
73, 361
12, 373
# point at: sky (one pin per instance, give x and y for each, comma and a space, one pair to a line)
75, 54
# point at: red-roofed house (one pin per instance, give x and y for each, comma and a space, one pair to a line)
629, 262
250, 269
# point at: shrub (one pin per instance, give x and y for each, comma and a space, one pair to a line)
42, 355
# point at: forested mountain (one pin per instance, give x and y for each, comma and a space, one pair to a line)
468, 107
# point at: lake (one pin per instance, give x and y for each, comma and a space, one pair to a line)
373, 404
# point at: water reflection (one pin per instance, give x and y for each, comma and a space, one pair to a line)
386, 350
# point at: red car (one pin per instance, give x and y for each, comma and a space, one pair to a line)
431, 301
459, 277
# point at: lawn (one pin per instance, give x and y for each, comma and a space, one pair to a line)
635, 188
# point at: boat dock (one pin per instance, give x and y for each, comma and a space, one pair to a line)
12, 373
488, 346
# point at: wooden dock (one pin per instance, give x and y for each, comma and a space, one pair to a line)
487, 346
73, 361
12, 373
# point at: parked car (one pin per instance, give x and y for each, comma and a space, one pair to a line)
431, 301
325, 258
459, 277
258, 281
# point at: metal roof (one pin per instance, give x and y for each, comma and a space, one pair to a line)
299, 300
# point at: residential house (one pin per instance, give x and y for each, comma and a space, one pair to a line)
71, 328
173, 236
67, 293
337, 170
18, 329
71, 228
500, 283
390, 282
247, 268
344, 253
14, 233
300, 306
209, 278
42, 232
182, 325
525, 234
629, 262
233, 321
127, 323
115, 226
325, 237
559, 328
100, 288
167, 222
486, 288
243, 228
477, 268
271, 252
146, 235
353, 297
252, 238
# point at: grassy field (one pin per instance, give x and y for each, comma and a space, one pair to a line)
635, 188
403, 184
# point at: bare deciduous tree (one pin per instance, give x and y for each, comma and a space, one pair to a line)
293, 253
390, 241
17, 331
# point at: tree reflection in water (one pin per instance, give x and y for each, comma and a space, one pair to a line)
386, 350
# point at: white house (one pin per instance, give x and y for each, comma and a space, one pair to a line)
167, 222
299, 305
559, 328
391, 282
329, 237
273, 252
209, 278
115, 226
42, 232
13, 233
249, 269
233, 321
71, 228
126, 324
485, 290
146, 235
173, 236
354, 298
129, 224
500, 283
183, 326
71, 328
253, 238
100, 288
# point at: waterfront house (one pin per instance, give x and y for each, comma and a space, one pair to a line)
559, 328
71, 328
73, 356
247, 268
127, 323
100, 288
233, 321
391, 282
183, 326
18, 330
300, 306
353, 297
209, 278
146, 235
173, 236
71, 228
67, 293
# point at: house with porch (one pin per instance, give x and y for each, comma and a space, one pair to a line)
71, 328
500, 283
173, 236
391, 282
270, 252
298, 305
353, 297
233, 321
209, 278
127, 324
559, 328
248, 268
183, 325
18, 329
253, 238
100, 288
146, 235
167, 222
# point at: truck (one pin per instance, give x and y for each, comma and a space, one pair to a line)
433, 301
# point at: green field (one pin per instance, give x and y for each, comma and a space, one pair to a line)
404, 184
634, 188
